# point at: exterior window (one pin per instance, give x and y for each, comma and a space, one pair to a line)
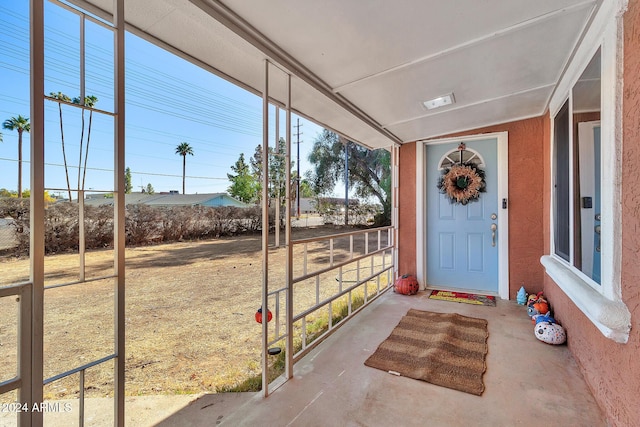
562, 183
587, 158
585, 201
577, 157
467, 155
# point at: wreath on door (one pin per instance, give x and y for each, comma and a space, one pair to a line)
462, 182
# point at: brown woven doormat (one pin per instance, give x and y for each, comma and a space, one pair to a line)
446, 349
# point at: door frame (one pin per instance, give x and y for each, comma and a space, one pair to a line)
503, 216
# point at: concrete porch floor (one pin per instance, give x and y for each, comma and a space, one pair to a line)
527, 382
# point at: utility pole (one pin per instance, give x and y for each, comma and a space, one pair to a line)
298, 133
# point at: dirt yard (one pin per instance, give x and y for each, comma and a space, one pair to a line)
190, 310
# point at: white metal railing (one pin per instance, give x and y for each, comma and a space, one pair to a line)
21, 381
348, 270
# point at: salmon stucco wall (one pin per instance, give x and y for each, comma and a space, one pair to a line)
525, 204
612, 370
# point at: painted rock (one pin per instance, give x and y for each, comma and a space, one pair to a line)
550, 333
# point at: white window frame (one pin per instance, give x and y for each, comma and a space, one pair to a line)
603, 305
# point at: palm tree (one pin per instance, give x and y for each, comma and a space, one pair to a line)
183, 149
61, 97
90, 102
20, 124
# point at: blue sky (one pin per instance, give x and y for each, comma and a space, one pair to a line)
169, 101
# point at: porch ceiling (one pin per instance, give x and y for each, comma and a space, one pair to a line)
366, 67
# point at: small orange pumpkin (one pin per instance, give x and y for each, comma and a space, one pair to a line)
406, 285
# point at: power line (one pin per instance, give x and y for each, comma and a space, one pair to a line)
220, 111
111, 170
149, 88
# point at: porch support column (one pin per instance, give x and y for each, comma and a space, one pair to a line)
289, 261
31, 365
119, 214
277, 150
265, 230
395, 168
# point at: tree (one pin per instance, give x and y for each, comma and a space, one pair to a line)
306, 191
369, 170
90, 102
127, 181
25, 194
20, 124
256, 169
243, 185
183, 149
277, 171
150, 189
61, 97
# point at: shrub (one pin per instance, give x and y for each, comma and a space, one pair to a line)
144, 224
332, 212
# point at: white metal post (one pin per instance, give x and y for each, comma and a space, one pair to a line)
24, 355
395, 170
265, 230
81, 230
277, 183
289, 261
119, 232
33, 393
81, 235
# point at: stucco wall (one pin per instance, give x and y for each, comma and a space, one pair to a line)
613, 370
407, 210
526, 138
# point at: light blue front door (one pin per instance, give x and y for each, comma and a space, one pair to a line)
462, 248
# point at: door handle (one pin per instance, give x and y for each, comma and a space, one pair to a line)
494, 227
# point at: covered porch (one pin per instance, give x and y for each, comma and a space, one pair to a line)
509, 73
525, 381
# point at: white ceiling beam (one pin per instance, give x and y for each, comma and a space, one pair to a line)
246, 31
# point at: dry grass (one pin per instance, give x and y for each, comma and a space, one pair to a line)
190, 311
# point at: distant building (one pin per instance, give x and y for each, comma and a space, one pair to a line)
170, 199
309, 205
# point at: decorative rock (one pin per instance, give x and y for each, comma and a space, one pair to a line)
550, 333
